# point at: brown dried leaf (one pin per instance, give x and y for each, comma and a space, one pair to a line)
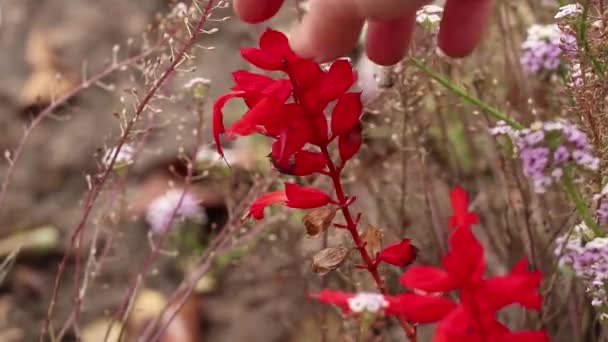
44, 86
329, 259
318, 220
373, 236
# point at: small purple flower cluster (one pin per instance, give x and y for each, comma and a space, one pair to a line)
546, 148
588, 258
175, 205
542, 49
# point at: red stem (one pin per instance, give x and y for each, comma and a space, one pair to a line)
351, 225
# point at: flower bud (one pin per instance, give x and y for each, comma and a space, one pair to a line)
329, 259
318, 220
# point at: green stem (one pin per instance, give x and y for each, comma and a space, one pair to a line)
466, 96
575, 196
582, 35
568, 183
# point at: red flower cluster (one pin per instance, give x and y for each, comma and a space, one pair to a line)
291, 110
473, 319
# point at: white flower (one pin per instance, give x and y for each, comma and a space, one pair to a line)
597, 243
197, 81
123, 158
430, 14
180, 10
367, 301
569, 10
166, 209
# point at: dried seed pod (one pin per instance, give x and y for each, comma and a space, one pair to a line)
373, 236
318, 220
329, 259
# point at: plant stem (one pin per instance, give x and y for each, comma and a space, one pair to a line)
582, 36
568, 184
465, 95
351, 225
575, 196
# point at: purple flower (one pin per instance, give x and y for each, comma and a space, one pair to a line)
541, 49
543, 161
589, 260
535, 160
561, 155
173, 206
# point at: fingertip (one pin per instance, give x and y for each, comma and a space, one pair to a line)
326, 32
387, 41
462, 26
255, 11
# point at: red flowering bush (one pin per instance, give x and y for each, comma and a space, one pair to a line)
293, 112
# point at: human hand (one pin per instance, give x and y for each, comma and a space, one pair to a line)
332, 27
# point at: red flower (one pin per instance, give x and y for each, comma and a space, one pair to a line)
399, 254
291, 110
305, 197
257, 207
337, 81
415, 308
303, 163
294, 196
420, 308
350, 143
346, 113
338, 298
474, 319
460, 204
273, 54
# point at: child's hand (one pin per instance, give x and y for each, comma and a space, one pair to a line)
332, 27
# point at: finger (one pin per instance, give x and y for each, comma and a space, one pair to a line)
329, 29
387, 9
387, 41
255, 11
462, 25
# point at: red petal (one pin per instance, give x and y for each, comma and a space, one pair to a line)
218, 118
399, 254
305, 73
465, 261
275, 43
457, 326
279, 89
519, 287
427, 278
334, 297
250, 82
338, 80
307, 163
265, 112
420, 309
460, 205
346, 113
305, 197
257, 207
350, 143
262, 59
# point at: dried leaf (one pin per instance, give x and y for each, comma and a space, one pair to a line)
318, 220
329, 259
373, 236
